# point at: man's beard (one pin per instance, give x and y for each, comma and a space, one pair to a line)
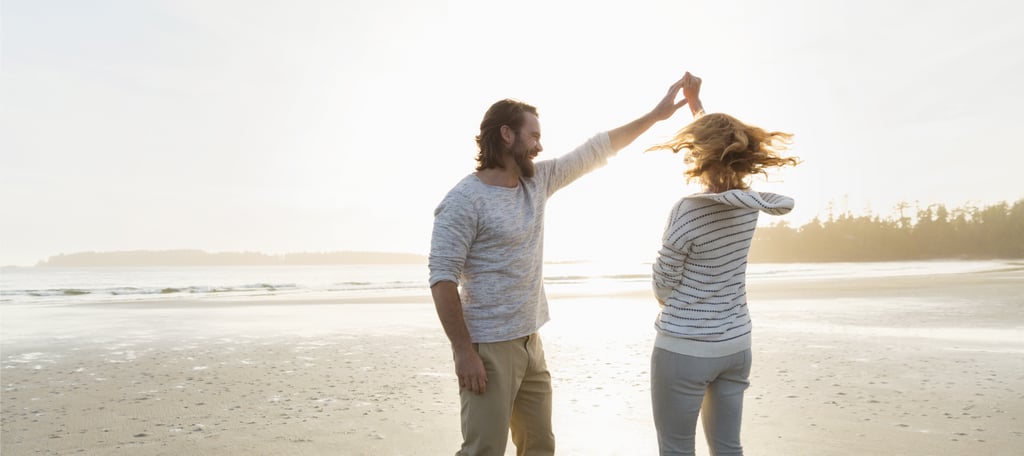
522, 157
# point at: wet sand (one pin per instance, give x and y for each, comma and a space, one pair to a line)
917, 365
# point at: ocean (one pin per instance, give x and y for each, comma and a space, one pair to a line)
70, 286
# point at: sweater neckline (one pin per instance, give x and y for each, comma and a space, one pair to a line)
519, 183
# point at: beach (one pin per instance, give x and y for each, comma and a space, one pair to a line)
927, 364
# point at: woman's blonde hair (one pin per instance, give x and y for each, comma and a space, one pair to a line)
723, 151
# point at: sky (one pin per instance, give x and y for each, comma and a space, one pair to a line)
324, 125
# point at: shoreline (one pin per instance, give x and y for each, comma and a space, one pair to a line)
911, 365
828, 287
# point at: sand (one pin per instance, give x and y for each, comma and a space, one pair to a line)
922, 365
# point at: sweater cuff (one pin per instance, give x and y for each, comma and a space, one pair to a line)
604, 144
662, 293
436, 278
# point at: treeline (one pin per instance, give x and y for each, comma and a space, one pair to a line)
935, 232
201, 258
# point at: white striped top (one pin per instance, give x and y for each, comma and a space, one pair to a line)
700, 272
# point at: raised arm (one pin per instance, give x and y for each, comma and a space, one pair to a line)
689, 84
691, 92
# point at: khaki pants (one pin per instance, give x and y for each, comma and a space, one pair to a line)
518, 397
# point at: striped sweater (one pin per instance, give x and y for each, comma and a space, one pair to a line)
700, 272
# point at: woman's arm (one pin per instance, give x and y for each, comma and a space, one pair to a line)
623, 136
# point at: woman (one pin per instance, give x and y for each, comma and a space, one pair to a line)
702, 348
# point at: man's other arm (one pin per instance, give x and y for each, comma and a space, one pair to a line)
468, 365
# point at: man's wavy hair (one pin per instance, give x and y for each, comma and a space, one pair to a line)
489, 142
723, 151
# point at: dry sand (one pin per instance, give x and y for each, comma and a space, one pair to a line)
926, 365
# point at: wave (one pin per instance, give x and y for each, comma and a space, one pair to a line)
71, 294
589, 278
377, 286
144, 291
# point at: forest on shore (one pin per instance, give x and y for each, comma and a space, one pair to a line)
934, 232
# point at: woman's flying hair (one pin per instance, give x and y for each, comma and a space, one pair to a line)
723, 151
489, 142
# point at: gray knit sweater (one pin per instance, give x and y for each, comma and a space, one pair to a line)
490, 241
700, 272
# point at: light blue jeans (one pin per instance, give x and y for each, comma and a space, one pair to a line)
684, 386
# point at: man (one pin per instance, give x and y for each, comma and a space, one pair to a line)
488, 238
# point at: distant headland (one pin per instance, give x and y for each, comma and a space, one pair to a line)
186, 257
